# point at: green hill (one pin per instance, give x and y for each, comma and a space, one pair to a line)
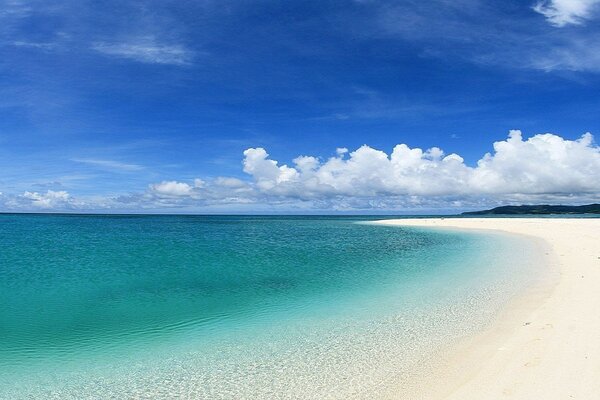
539, 209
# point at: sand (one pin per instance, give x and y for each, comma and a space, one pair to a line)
546, 345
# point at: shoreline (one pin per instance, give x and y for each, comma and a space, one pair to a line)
544, 343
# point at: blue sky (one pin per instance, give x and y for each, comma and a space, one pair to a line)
102, 102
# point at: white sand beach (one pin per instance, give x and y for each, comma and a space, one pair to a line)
547, 344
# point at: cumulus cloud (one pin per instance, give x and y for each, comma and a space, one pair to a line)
47, 200
171, 188
542, 164
50, 199
267, 173
564, 12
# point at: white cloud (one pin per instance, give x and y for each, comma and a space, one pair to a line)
147, 49
564, 12
266, 172
542, 164
171, 188
50, 199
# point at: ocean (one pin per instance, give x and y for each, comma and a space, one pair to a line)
240, 307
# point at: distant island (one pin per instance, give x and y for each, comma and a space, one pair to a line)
539, 209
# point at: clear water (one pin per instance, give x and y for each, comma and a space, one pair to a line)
232, 307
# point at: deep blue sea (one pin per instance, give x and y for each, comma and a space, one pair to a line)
235, 307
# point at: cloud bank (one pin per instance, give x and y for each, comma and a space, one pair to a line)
544, 167
49, 200
542, 164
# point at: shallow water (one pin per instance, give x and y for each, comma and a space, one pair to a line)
230, 307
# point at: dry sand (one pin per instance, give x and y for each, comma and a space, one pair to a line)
546, 346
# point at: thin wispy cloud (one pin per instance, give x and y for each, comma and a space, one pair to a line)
35, 45
578, 54
14, 8
483, 34
110, 164
147, 50
567, 12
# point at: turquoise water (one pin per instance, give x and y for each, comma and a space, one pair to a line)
230, 307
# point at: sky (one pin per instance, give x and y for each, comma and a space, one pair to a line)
364, 106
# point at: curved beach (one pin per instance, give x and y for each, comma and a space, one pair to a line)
545, 346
